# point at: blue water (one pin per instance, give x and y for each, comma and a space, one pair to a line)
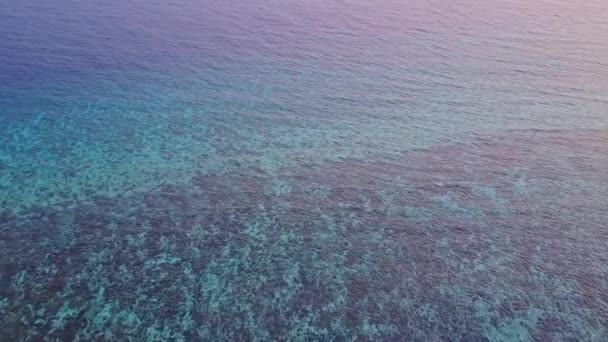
304, 170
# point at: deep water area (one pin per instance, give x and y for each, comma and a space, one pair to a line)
303, 171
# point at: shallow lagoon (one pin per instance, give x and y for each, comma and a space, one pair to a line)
419, 171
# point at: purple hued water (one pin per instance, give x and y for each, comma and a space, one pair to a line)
303, 170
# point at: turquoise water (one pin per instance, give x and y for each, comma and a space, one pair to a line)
315, 171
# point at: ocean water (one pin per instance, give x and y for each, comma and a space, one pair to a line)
381, 170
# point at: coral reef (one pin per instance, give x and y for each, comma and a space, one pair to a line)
501, 239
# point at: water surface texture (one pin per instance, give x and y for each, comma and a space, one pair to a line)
303, 170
